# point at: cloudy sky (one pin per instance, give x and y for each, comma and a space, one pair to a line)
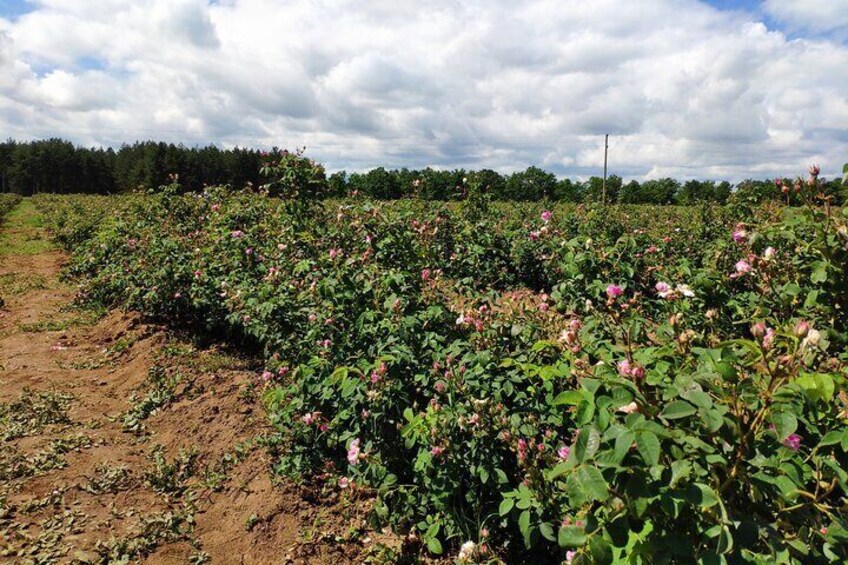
687, 88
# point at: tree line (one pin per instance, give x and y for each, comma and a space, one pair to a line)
58, 166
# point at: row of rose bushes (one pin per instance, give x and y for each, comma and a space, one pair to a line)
579, 384
7, 203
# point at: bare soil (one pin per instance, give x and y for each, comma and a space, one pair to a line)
90, 473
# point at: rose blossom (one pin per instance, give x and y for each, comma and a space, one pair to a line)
614, 291
353, 452
793, 442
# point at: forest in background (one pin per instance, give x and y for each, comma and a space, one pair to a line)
58, 166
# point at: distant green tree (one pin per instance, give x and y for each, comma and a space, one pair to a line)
594, 189
568, 191
530, 184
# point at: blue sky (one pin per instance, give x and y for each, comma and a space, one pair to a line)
713, 89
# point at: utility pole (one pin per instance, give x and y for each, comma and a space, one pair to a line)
606, 150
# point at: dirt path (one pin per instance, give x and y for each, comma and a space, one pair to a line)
119, 442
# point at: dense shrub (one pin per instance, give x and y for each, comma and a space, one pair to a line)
582, 383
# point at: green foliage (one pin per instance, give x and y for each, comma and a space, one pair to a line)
631, 383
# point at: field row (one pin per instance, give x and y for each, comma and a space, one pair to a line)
587, 383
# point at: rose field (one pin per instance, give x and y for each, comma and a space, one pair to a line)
516, 382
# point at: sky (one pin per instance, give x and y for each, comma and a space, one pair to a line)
716, 89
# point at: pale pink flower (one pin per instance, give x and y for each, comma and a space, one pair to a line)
768, 339
437, 450
624, 368
742, 267
353, 452
663, 289
546, 216
344, 482
563, 452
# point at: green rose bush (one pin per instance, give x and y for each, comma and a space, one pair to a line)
574, 384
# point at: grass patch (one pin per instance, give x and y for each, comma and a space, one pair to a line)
12, 284
23, 232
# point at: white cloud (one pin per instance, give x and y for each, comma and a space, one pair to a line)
683, 88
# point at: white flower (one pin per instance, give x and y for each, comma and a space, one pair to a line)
769, 253
685, 290
467, 550
629, 408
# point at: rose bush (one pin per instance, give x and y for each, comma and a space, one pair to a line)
586, 384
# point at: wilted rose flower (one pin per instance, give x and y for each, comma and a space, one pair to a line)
663, 289
814, 170
425, 274
546, 216
758, 330
812, 339
742, 267
344, 482
624, 368
437, 450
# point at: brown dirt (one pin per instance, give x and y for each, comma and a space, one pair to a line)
51, 508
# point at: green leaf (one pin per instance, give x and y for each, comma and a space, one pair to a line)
592, 482
703, 495
819, 274
587, 443
831, 438
571, 536
434, 546
678, 409
524, 526
547, 531
785, 423
506, 506
601, 550
570, 397
623, 443
649, 447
